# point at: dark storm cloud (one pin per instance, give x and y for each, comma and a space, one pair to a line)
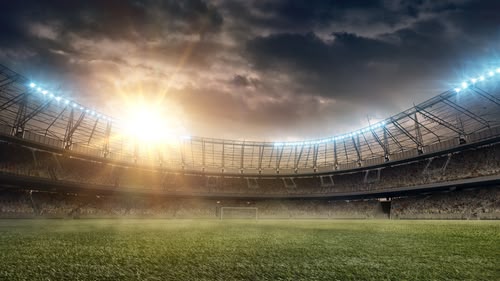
306, 14
49, 28
254, 69
112, 18
349, 66
67, 40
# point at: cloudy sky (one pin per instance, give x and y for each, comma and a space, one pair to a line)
259, 70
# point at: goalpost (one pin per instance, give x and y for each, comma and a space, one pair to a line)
239, 213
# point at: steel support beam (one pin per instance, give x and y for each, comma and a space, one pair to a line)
419, 125
297, 157
93, 131
466, 112
308, 154
261, 156
315, 155
203, 163
382, 144
55, 120
223, 164
34, 113
358, 153
279, 156
70, 129
271, 156
12, 101
242, 156
335, 159
408, 134
439, 121
18, 128
367, 144
486, 95
392, 138
107, 136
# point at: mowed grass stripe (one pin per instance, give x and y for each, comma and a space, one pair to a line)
249, 250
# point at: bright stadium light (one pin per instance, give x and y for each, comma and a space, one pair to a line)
51, 95
457, 90
32, 85
473, 80
465, 85
481, 78
44, 92
498, 70
491, 73
74, 104
39, 89
58, 98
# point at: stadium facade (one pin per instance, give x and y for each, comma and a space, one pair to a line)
449, 142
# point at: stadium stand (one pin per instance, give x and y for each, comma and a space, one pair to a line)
464, 204
473, 163
472, 204
68, 161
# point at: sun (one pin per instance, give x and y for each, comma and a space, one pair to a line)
151, 123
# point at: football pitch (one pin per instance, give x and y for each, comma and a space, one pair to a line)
154, 249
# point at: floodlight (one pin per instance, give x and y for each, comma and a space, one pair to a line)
66, 101
38, 89
491, 73
473, 80
457, 90
51, 95
81, 108
58, 98
464, 85
32, 85
44, 92
481, 78
74, 104
498, 70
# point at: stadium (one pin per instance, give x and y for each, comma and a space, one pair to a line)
437, 160
439, 152
85, 195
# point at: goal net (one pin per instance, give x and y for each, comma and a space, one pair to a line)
238, 213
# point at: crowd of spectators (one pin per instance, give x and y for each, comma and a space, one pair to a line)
16, 203
472, 204
470, 163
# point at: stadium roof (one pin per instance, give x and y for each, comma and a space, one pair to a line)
30, 111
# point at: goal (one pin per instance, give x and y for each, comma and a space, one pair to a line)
238, 213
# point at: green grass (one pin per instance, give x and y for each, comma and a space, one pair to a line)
249, 250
